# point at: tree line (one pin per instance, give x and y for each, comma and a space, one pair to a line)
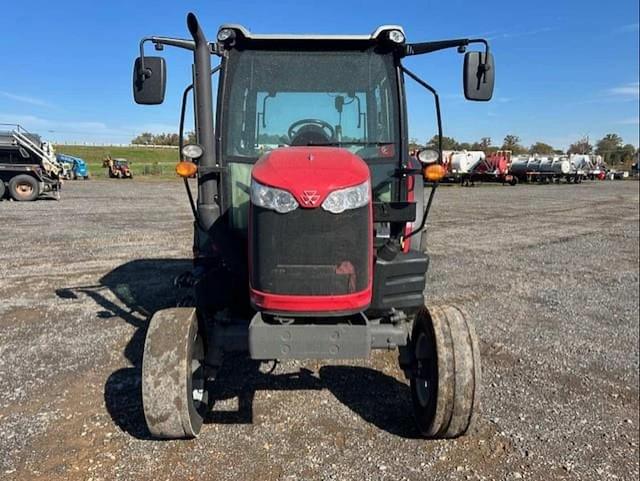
147, 138
611, 147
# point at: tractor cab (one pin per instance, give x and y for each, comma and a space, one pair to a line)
294, 91
308, 150
122, 164
309, 215
117, 168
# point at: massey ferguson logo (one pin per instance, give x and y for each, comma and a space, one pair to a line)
310, 197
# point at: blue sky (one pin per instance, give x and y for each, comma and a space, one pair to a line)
564, 69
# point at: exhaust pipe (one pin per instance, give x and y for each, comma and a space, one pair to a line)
208, 185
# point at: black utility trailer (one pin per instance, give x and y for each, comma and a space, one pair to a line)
25, 172
308, 223
552, 178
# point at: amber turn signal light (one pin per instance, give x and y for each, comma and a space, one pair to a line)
434, 173
186, 169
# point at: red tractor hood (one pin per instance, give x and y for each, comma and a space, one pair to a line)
310, 173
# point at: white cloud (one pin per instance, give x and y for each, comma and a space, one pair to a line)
631, 27
522, 33
629, 91
89, 131
629, 121
26, 99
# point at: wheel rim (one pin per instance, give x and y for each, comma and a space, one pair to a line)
198, 381
24, 188
425, 380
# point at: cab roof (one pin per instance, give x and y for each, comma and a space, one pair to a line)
247, 34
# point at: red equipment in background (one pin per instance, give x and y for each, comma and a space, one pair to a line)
495, 167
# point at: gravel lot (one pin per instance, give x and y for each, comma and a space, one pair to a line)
550, 274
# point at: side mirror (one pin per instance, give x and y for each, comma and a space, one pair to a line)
479, 76
150, 82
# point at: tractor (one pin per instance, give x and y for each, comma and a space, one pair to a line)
78, 167
309, 220
117, 168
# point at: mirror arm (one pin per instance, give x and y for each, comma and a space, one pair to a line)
439, 120
174, 42
437, 102
183, 111
428, 47
460, 43
159, 42
426, 214
144, 72
483, 66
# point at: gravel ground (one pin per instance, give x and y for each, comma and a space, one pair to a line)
550, 274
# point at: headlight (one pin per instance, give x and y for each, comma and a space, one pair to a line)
226, 34
192, 151
270, 198
396, 36
345, 199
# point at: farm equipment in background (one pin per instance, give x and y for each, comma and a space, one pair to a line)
28, 166
67, 168
544, 169
494, 167
593, 166
460, 164
77, 167
117, 168
315, 250
614, 174
468, 167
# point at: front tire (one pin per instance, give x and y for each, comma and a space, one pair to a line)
174, 394
445, 372
24, 188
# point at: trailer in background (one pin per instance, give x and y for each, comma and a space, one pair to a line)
468, 167
545, 169
495, 168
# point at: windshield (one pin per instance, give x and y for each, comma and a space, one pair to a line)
283, 98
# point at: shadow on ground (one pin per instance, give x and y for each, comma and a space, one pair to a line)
145, 286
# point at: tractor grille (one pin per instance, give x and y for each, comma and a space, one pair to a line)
310, 252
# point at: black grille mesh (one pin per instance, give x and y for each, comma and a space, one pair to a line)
310, 251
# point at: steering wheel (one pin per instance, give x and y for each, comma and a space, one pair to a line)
306, 131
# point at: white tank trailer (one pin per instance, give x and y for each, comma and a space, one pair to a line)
582, 162
521, 166
464, 162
